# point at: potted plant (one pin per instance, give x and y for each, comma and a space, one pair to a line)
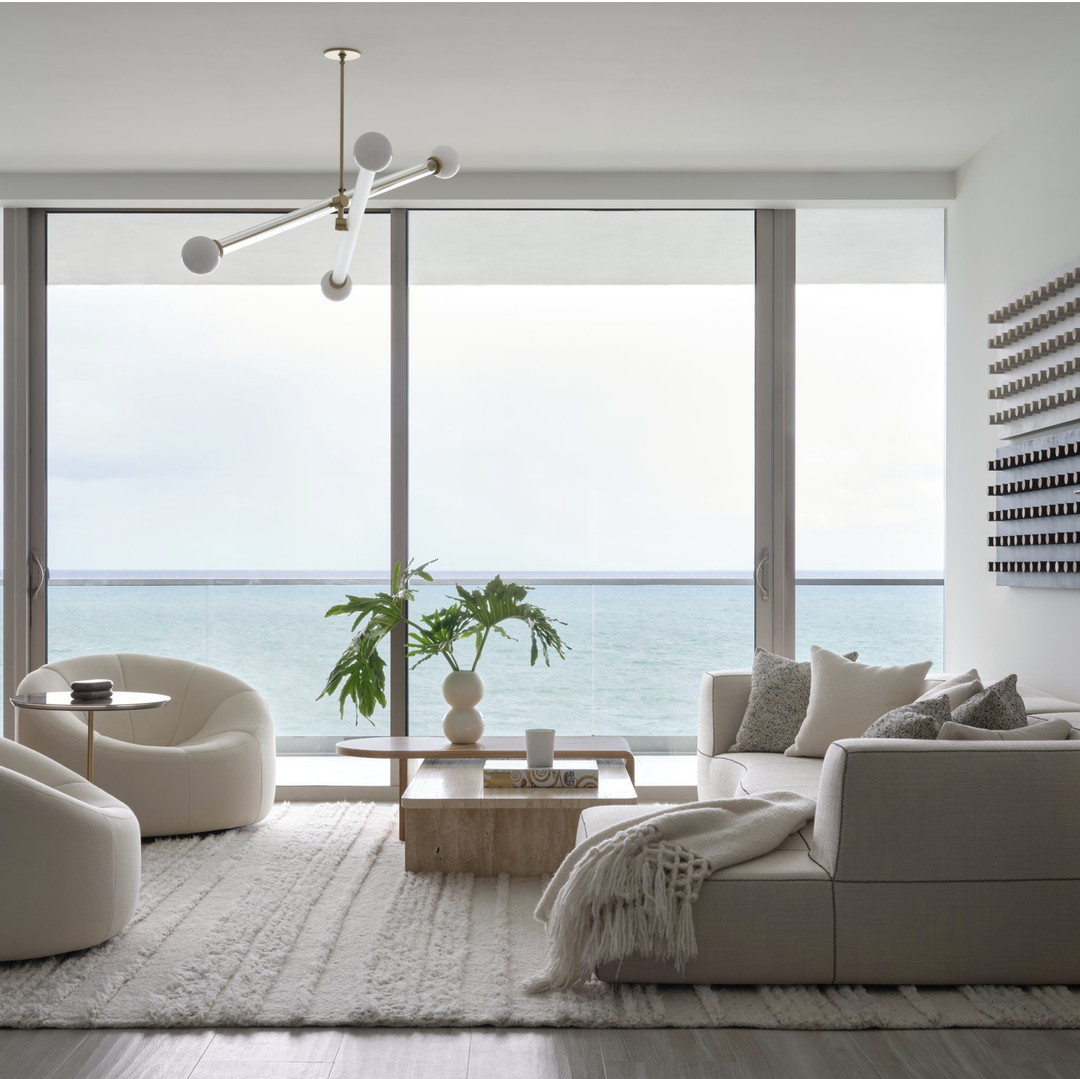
360, 674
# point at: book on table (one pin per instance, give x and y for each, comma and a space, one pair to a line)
565, 773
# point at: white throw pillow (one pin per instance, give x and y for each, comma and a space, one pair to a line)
846, 698
958, 689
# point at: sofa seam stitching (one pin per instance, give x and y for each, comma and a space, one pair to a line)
959, 880
839, 848
768, 880
967, 744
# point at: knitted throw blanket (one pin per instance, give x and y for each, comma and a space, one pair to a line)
630, 888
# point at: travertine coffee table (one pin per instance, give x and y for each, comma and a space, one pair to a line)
453, 825
405, 748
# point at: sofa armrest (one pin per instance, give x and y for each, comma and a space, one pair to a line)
724, 696
913, 810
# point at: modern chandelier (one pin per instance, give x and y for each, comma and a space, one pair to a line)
372, 154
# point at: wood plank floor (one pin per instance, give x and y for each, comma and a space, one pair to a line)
538, 1054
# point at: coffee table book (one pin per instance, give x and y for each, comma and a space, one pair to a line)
569, 773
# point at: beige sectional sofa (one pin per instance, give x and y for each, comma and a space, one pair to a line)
929, 862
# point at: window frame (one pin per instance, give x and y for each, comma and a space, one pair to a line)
26, 419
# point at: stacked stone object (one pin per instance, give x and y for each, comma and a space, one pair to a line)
91, 689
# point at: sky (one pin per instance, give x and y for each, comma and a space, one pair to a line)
604, 428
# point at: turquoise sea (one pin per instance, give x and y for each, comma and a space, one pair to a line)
637, 651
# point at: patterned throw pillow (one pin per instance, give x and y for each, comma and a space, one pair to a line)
998, 708
920, 719
779, 696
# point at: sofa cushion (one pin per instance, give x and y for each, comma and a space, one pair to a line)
768, 919
998, 708
1036, 702
845, 698
774, 772
1051, 730
779, 697
1072, 717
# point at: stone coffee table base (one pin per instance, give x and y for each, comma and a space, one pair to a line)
453, 825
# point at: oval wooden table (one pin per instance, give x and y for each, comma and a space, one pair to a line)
118, 701
495, 747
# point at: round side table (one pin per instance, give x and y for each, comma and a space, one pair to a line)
119, 701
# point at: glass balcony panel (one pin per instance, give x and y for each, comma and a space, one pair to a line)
230, 426
581, 406
277, 638
870, 430
637, 654
164, 620
886, 624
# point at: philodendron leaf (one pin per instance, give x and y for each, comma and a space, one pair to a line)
359, 675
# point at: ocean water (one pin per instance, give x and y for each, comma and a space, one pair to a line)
637, 652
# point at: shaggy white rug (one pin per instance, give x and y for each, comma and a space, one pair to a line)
309, 919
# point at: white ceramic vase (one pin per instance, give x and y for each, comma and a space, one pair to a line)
463, 724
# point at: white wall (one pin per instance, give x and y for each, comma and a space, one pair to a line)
1016, 219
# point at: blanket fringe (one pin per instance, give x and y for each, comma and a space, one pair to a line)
633, 894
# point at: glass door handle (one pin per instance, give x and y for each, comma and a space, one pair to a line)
759, 574
42, 575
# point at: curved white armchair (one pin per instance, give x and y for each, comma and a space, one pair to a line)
71, 858
204, 761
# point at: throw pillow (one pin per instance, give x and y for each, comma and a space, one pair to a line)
959, 688
845, 698
779, 695
1051, 731
998, 708
920, 719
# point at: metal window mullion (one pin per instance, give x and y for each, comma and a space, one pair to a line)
774, 431
25, 637
399, 453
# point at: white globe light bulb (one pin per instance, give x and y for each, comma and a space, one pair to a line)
372, 151
201, 255
449, 161
332, 291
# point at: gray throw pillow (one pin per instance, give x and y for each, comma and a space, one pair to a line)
1052, 730
998, 708
920, 719
779, 697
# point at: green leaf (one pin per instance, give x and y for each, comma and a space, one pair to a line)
359, 675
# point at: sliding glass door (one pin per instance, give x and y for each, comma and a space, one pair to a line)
218, 451
581, 421
592, 397
870, 425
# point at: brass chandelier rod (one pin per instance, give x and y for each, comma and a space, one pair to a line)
341, 127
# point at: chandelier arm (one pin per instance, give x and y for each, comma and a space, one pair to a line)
321, 209
324, 208
406, 176
340, 273
248, 236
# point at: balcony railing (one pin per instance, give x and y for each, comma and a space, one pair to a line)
637, 653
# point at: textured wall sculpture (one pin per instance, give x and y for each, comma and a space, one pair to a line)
1037, 357
1037, 511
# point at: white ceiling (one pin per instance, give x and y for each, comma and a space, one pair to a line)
555, 86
